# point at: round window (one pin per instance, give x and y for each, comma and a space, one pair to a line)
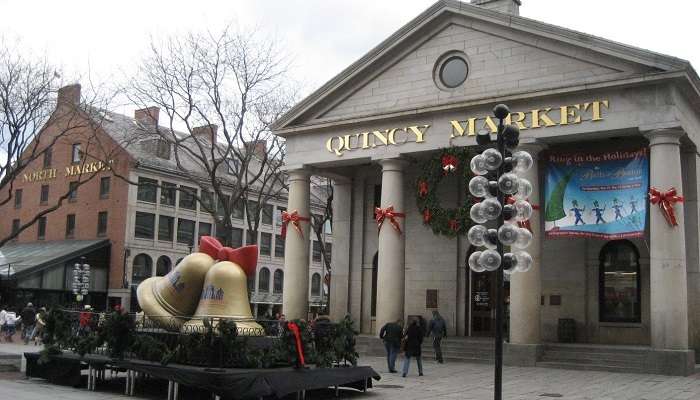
453, 72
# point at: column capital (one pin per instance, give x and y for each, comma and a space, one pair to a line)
664, 136
393, 164
298, 174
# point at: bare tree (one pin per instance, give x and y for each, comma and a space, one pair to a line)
33, 120
220, 92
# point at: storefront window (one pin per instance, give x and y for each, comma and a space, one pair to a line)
316, 284
147, 190
167, 194
142, 268
278, 281
144, 225
264, 280
188, 198
619, 283
185, 231
163, 266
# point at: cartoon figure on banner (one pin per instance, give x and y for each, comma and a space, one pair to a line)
578, 212
598, 212
633, 205
618, 207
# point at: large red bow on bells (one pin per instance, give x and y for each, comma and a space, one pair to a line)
294, 328
449, 163
294, 218
388, 213
246, 257
523, 224
666, 200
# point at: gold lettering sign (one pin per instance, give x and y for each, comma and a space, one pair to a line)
41, 175
534, 119
73, 170
371, 139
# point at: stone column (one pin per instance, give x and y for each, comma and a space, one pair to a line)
669, 290
390, 271
295, 294
340, 257
526, 287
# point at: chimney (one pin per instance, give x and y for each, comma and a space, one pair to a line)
511, 7
206, 131
259, 147
69, 95
147, 116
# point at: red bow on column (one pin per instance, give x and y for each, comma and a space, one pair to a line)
523, 224
422, 188
246, 257
388, 213
449, 163
666, 200
294, 328
294, 218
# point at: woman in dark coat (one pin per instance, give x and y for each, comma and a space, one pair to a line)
414, 340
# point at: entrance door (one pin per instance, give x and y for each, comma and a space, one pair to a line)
482, 303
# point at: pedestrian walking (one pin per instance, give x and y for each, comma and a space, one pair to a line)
38, 333
391, 334
3, 314
414, 340
11, 320
437, 328
28, 315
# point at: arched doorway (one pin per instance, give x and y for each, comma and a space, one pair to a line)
163, 265
142, 268
619, 279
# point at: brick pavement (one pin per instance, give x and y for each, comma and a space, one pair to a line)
443, 381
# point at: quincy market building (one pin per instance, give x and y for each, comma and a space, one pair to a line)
432, 85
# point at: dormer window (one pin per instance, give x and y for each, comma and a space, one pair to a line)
159, 148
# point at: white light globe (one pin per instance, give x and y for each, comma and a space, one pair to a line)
508, 183
491, 207
479, 186
524, 261
492, 159
523, 210
476, 235
490, 260
478, 165
524, 189
524, 238
474, 262
508, 234
477, 214
509, 258
523, 161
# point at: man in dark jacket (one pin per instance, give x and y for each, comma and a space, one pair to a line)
437, 328
414, 340
28, 316
391, 333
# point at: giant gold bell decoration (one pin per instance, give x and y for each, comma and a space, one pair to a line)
171, 299
225, 296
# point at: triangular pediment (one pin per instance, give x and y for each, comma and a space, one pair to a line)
506, 55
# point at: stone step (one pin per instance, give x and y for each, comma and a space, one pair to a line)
10, 362
596, 348
614, 363
586, 356
589, 367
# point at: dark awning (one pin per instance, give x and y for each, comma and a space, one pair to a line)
19, 259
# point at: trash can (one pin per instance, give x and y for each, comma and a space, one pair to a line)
566, 330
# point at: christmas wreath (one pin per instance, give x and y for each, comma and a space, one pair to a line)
445, 221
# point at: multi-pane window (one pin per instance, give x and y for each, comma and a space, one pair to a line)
18, 198
238, 209
236, 237
72, 191
15, 226
165, 228
264, 280
47, 157
265, 243
221, 204
620, 288
70, 225
185, 231
267, 214
328, 227
279, 246
188, 198
204, 230
76, 154
41, 228
251, 237
105, 183
316, 251
278, 281
278, 215
142, 268
102, 223
145, 225
207, 201
162, 149
253, 210
316, 284
44, 197
329, 250
167, 194
147, 190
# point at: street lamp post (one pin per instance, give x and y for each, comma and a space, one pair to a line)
504, 202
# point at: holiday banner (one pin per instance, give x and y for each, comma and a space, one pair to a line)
597, 194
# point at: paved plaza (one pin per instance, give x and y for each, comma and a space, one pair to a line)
441, 381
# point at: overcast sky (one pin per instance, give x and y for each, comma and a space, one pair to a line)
322, 36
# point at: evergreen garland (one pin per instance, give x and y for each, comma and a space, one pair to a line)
450, 222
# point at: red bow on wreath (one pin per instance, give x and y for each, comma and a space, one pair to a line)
294, 328
245, 257
388, 213
449, 163
294, 218
523, 224
422, 188
666, 200
454, 225
426, 216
